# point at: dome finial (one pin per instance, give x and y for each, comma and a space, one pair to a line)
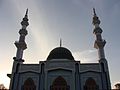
60, 42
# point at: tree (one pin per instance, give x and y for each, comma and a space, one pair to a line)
2, 87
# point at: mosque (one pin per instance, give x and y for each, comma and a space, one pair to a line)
60, 71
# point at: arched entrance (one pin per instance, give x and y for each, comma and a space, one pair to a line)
59, 84
90, 84
29, 85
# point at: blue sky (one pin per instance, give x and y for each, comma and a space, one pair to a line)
51, 20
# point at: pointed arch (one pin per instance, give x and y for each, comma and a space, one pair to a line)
90, 84
29, 85
59, 84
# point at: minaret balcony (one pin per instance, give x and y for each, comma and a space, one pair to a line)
23, 32
99, 44
20, 45
97, 30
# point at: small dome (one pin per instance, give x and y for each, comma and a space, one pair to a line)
60, 53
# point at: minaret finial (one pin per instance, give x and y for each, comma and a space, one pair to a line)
60, 42
25, 23
94, 12
96, 20
26, 11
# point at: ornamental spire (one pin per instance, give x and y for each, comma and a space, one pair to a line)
60, 42
94, 12
21, 44
96, 20
25, 23
26, 12
99, 42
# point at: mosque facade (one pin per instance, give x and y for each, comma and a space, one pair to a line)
60, 71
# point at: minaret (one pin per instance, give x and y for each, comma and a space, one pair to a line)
99, 45
99, 42
18, 60
21, 45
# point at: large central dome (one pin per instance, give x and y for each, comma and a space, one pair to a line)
60, 53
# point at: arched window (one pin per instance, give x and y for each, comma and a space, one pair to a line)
90, 84
59, 84
29, 85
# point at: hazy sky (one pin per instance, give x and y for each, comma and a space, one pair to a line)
51, 20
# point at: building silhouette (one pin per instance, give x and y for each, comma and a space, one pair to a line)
60, 71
